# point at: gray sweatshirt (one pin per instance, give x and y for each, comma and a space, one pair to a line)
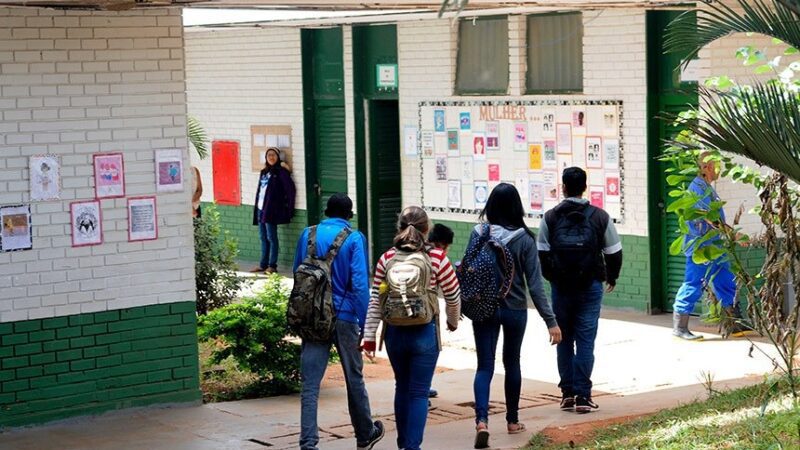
527, 271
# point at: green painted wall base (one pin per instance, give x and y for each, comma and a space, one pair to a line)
89, 363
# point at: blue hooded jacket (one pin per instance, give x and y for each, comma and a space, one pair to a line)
349, 271
699, 227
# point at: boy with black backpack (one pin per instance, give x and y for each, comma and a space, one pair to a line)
328, 305
579, 249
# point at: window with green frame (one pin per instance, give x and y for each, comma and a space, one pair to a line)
555, 53
482, 64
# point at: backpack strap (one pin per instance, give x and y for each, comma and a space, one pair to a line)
311, 249
337, 243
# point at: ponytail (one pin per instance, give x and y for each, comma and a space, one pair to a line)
412, 226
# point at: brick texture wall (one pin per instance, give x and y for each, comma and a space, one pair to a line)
75, 83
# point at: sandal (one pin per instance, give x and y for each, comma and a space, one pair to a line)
482, 435
256, 269
516, 428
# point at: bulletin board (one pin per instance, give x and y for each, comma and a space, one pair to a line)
266, 136
467, 148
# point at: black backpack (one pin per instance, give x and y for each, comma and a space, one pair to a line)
310, 313
574, 247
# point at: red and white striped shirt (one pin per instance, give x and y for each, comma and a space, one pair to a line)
444, 277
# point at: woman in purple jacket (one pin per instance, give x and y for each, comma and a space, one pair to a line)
274, 205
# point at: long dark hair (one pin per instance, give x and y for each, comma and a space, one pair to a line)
412, 226
274, 168
504, 208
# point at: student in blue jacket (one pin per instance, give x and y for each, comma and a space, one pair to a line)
351, 292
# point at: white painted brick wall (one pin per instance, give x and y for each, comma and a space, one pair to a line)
610, 37
239, 78
74, 83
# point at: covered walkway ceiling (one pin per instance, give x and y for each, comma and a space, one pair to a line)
336, 5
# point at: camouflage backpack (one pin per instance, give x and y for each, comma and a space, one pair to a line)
311, 313
409, 299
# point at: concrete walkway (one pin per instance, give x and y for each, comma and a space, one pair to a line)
639, 369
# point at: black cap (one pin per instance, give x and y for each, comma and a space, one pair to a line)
339, 205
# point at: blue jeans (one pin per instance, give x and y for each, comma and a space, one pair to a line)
413, 352
577, 313
313, 362
698, 276
268, 232
513, 323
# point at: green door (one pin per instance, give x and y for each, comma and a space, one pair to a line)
667, 95
324, 117
385, 195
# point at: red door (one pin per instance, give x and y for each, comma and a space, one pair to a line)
225, 162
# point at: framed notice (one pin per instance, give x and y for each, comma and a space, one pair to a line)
86, 222
15, 228
109, 175
263, 137
169, 170
45, 177
142, 219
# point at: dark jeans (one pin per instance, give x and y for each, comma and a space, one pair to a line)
313, 362
513, 323
413, 352
577, 313
268, 232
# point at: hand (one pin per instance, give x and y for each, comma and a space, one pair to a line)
452, 327
610, 288
555, 335
369, 350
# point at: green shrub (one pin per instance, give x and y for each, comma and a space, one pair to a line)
252, 332
215, 267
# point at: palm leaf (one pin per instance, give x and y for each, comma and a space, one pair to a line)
717, 20
198, 137
758, 122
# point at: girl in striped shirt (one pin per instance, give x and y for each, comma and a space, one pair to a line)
413, 350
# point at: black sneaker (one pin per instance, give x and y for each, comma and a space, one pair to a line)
433, 393
568, 403
376, 437
584, 405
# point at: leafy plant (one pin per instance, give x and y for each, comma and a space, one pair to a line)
215, 266
253, 333
198, 137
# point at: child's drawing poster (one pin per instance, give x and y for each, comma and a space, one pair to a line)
169, 170
535, 157
596, 197
15, 228
536, 193
87, 223
494, 170
492, 136
454, 194
481, 194
549, 158
464, 121
452, 143
439, 122
520, 136
109, 175
612, 186
45, 177
478, 146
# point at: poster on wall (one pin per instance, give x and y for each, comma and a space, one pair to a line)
536, 193
45, 177
481, 194
612, 187
467, 169
464, 121
439, 122
428, 145
549, 123
169, 170
596, 197
142, 219
494, 170
549, 158
87, 223
492, 136
564, 138
15, 228
579, 121
611, 153
410, 140
478, 146
441, 168
454, 194
610, 121
550, 185
109, 175
594, 158
535, 157
452, 143
520, 136
521, 183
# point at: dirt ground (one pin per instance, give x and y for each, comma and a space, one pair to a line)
582, 432
379, 370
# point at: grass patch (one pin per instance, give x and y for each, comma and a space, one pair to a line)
757, 417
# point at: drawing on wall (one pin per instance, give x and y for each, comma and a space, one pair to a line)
45, 177
596, 196
594, 158
169, 170
610, 124
109, 175
441, 168
464, 122
481, 194
410, 141
535, 141
15, 228
142, 219
454, 194
87, 223
452, 142
439, 121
